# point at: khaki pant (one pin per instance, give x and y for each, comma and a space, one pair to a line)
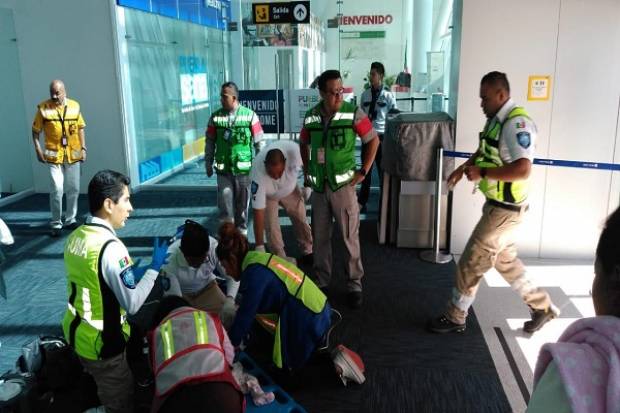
210, 298
295, 208
342, 207
65, 178
491, 244
233, 198
114, 382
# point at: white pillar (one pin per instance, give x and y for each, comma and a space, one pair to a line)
422, 34
236, 46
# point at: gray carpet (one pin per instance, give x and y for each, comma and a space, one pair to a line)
407, 369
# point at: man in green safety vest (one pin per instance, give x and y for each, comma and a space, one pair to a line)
232, 135
102, 289
327, 142
501, 168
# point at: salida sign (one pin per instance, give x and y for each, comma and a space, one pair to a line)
366, 20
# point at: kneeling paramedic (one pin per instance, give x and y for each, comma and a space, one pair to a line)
102, 289
286, 302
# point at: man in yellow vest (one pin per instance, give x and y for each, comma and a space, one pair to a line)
233, 134
327, 142
65, 148
501, 168
102, 288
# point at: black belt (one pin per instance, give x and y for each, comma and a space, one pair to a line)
515, 208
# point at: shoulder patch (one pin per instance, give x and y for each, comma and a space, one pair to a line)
524, 139
127, 278
123, 262
520, 125
254, 187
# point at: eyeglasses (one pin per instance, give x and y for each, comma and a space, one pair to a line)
336, 93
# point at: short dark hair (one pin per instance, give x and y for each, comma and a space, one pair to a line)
105, 184
233, 86
496, 79
327, 76
608, 258
378, 66
195, 239
274, 157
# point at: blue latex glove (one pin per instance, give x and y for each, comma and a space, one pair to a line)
160, 254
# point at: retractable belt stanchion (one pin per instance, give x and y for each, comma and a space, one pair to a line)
434, 255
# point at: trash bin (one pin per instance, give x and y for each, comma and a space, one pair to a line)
409, 150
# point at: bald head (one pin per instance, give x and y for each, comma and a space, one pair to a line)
57, 91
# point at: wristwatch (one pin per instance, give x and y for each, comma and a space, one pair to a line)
362, 171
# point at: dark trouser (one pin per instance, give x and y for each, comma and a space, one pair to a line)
362, 197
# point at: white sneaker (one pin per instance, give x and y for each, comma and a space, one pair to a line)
348, 364
6, 238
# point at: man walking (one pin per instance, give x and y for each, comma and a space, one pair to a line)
60, 119
501, 167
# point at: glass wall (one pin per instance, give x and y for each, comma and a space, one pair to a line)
172, 72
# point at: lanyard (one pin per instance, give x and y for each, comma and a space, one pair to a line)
62, 122
326, 127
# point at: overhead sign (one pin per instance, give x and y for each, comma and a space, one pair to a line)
268, 105
289, 12
366, 20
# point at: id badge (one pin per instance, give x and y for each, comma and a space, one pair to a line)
227, 134
64, 140
320, 156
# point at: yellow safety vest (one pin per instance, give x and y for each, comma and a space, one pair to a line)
58, 122
488, 157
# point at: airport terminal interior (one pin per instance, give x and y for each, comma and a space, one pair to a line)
146, 81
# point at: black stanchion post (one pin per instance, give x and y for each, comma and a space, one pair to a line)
434, 255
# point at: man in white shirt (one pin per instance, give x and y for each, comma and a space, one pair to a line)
190, 267
102, 289
274, 175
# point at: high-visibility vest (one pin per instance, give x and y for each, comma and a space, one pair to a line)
488, 157
298, 285
338, 144
83, 323
188, 346
59, 121
233, 141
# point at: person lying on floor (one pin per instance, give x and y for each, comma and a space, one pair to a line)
191, 268
286, 302
581, 372
191, 357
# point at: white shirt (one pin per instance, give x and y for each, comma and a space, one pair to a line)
189, 280
385, 103
518, 137
118, 274
263, 186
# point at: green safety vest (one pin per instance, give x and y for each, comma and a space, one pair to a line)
188, 346
233, 141
298, 285
83, 324
488, 157
338, 143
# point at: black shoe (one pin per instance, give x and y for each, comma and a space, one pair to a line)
354, 299
55, 232
307, 260
72, 226
539, 319
444, 325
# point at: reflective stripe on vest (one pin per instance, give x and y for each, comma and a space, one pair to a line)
509, 192
338, 147
298, 285
187, 346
